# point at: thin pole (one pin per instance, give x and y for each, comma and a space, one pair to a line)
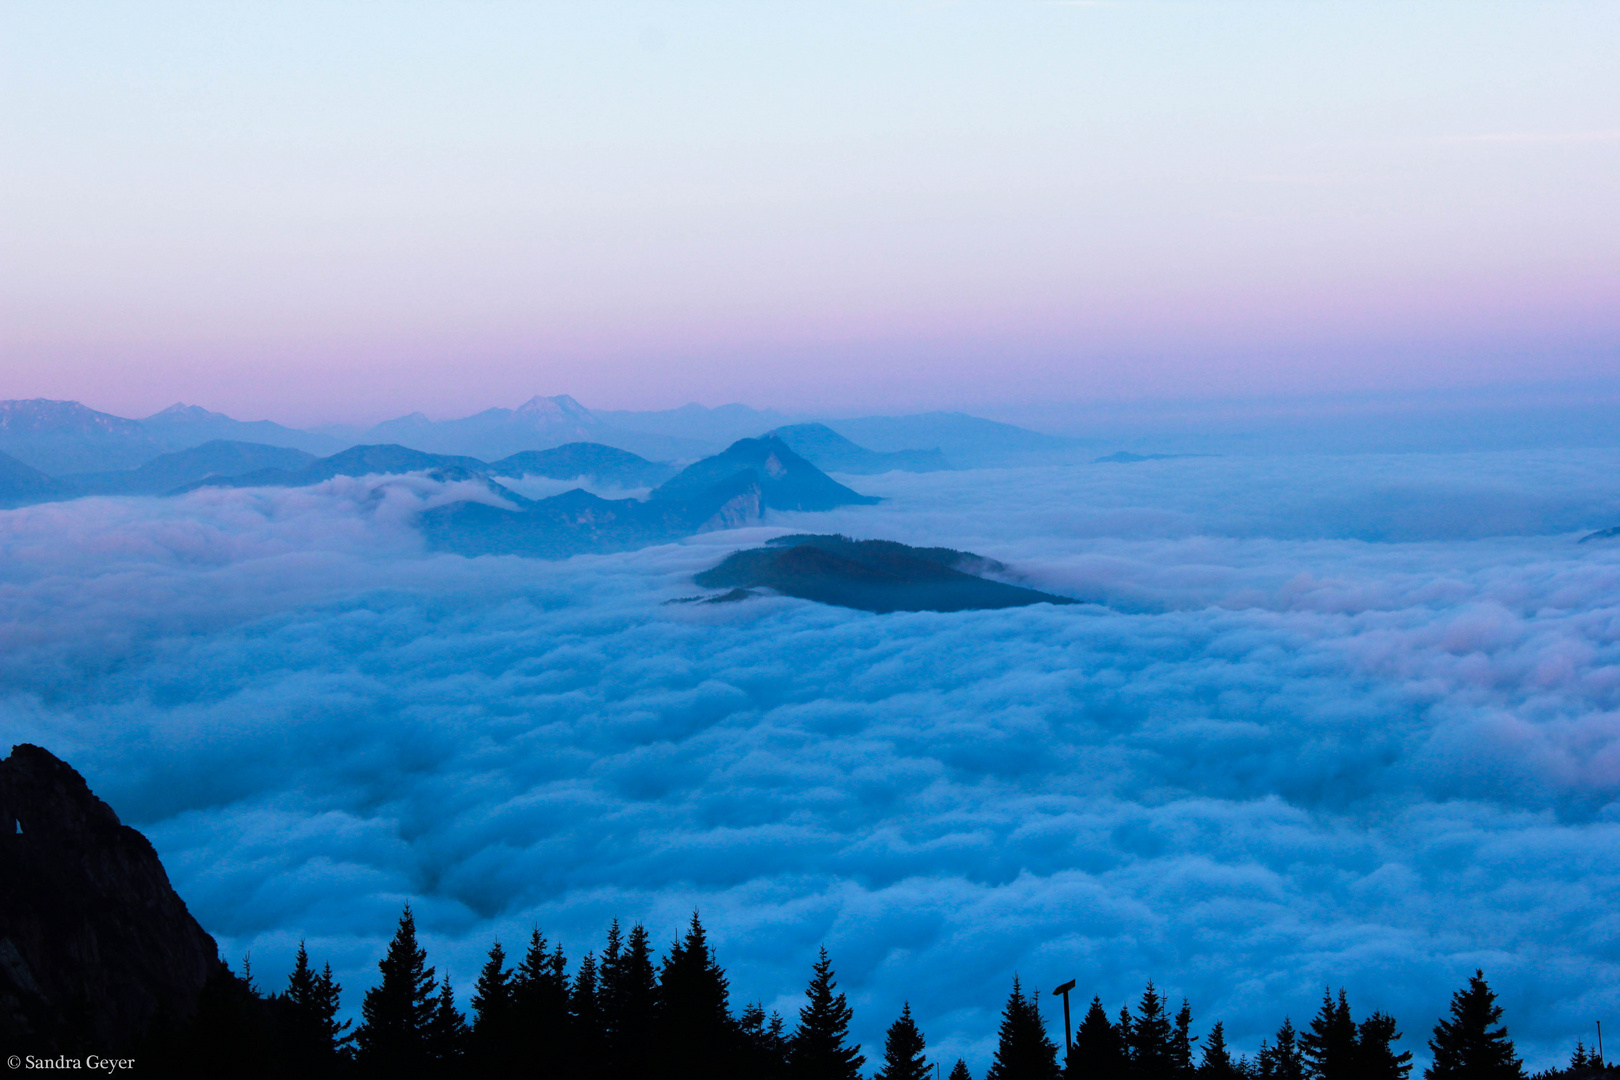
1600, 1042
1068, 1045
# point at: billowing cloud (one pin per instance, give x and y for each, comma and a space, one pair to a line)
1348, 720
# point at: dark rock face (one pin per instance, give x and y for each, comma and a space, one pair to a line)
95, 946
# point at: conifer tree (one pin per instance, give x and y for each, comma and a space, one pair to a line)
1098, 1052
1023, 1051
1376, 1059
903, 1046
1181, 1040
397, 1013
817, 1050
1328, 1045
585, 1014
1149, 1039
1470, 1046
1217, 1063
492, 1043
1282, 1061
315, 1039
696, 1033
1579, 1061
540, 1002
959, 1071
764, 1051
447, 1033
629, 992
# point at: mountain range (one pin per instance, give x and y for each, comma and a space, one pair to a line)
64, 439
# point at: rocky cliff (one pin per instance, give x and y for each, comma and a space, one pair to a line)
95, 946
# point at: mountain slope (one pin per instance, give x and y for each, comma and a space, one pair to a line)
219, 459
603, 464
64, 437
180, 427
786, 481
826, 449
23, 484
969, 441
871, 575
96, 944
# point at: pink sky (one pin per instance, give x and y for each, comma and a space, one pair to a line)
313, 215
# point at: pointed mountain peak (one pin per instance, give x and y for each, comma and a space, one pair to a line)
560, 407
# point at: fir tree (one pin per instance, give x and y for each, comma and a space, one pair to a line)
1217, 1063
1098, 1052
763, 1054
1282, 1061
629, 992
1181, 1040
585, 1014
492, 1043
959, 1071
1023, 1049
540, 1002
817, 1050
696, 1034
315, 1037
1329, 1044
903, 1046
1579, 1061
396, 1013
1149, 1039
1376, 1059
1469, 1046
447, 1033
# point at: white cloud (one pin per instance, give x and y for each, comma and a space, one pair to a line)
1284, 754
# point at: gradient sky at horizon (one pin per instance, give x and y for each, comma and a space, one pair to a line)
342, 212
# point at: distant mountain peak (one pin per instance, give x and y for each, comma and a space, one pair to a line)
181, 411
560, 407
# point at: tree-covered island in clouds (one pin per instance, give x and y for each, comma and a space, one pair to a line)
871, 575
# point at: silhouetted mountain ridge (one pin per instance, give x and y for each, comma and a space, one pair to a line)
872, 575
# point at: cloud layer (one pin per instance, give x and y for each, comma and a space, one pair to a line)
1348, 720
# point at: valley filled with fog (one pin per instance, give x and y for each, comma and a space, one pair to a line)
1345, 719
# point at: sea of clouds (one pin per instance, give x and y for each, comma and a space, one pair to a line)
1331, 720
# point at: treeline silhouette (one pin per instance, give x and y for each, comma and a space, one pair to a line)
625, 1015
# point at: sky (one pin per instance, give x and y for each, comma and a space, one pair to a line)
1337, 720
342, 212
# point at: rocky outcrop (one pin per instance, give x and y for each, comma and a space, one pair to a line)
95, 946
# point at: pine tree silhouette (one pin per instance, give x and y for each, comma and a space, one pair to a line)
1023, 1050
585, 1014
447, 1033
817, 1050
696, 1033
1282, 1061
1328, 1045
1098, 1052
1149, 1039
540, 1002
1469, 1046
397, 1012
903, 1046
314, 1039
959, 1071
1181, 1040
764, 1049
1217, 1063
629, 993
492, 1045
1376, 1059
